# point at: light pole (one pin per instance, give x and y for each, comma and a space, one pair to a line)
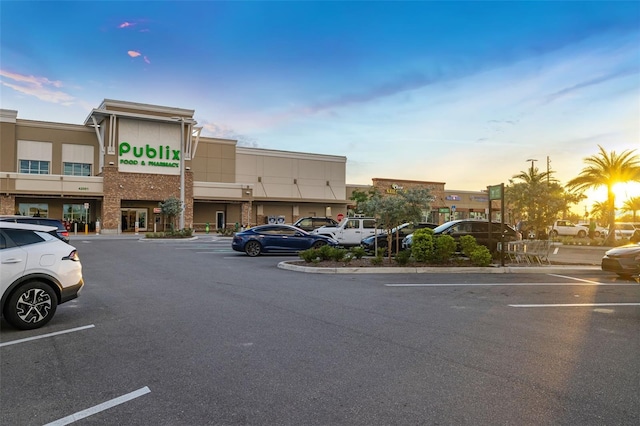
532, 161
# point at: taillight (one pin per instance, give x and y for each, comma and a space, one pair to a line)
72, 256
64, 234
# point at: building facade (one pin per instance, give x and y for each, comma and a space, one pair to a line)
110, 174
113, 171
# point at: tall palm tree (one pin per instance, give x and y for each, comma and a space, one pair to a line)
632, 205
608, 169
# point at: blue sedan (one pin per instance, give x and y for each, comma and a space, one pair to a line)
277, 239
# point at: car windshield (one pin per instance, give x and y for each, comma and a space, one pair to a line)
442, 227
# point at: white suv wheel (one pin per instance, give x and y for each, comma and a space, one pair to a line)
31, 305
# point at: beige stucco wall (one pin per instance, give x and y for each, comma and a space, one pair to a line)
285, 175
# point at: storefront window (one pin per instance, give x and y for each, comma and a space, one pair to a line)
74, 213
36, 210
35, 167
77, 169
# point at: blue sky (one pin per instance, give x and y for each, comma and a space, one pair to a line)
456, 92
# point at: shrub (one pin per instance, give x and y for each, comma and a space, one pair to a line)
403, 257
309, 255
422, 245
444, 248
376, 260
358, 252
180, 233
480, 256
338, 254
326, 252
468, 244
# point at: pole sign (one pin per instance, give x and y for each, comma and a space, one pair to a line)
495, 192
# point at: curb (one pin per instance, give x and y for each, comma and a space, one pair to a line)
552, 269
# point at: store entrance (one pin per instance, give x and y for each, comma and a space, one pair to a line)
129, 218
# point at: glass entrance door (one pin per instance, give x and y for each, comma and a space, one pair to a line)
129, 217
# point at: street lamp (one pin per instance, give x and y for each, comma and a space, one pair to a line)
532, 161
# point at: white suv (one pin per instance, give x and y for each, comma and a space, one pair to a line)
38, 272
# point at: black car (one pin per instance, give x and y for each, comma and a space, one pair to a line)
397, 235
479, 229
62, 231
623, 260
277, 239
310, 223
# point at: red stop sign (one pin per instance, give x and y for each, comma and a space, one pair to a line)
340, 217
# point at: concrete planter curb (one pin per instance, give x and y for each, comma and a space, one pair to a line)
547, 269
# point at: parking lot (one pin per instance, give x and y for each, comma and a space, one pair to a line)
192, 333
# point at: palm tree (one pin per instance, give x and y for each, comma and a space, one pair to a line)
599, 213
608, 169
632, 205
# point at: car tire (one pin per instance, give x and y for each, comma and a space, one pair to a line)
582, 234
596, 234
554, 233
31, 305
253, 248
318, 244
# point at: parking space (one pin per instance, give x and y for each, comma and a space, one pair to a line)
193, 333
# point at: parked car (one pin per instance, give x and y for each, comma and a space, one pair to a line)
479, 229
568, 229
39, 272
310, 223
277, 239
623, 260
624, 229
399, 233
62, 231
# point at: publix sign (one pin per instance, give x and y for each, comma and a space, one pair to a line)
148, 158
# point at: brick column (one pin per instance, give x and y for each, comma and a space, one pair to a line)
8, 204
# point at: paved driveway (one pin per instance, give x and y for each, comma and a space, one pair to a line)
192, 333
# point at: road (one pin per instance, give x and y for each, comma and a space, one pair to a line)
191, 333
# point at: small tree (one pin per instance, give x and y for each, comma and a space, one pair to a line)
171, 208
393, 210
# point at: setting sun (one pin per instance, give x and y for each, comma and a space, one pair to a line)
622, 191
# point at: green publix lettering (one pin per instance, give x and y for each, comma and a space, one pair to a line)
162, 152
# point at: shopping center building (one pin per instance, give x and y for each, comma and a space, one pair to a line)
114, 170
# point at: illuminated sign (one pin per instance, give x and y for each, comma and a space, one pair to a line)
160, 156
394, 189
148, 147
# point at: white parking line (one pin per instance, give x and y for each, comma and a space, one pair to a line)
100, 407
585, 283
573, 278
14, 342
572, 305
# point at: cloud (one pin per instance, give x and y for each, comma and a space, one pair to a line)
133, 53
38, 87
224, 132
127, 24
593, 82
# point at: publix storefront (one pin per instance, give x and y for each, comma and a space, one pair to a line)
127, 157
